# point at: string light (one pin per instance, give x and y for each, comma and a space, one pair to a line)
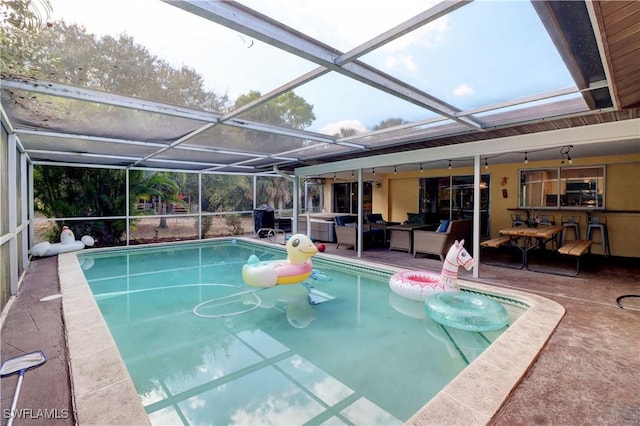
395, 170
486, 163
373, 171
421, 169
449, 164
526, 160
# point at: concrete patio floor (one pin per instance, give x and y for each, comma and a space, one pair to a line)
587, 374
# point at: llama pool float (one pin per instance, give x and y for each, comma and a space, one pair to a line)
419, 285
443, 300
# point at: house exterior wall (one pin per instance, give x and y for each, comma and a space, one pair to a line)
396, 194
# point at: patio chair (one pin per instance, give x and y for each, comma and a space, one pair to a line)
376, 221
346, 228
517, 220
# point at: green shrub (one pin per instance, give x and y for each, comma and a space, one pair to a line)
234, 221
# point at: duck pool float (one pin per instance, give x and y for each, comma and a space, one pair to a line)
67, 244
296, 268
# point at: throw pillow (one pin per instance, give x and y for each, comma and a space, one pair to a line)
444, 225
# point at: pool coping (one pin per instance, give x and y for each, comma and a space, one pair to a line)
103, 392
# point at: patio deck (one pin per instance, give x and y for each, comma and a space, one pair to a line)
587, 373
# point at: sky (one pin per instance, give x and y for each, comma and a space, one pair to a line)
483, 53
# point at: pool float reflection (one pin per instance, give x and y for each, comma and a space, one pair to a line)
419, 285
295, 269
299, 311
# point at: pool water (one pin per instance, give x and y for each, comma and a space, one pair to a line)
358, 354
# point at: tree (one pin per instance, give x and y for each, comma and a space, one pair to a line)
120, 65
21, 22
225, 193
288, 109
68, 54
78, 192
274, 190
389, 122
161, 186
346, 132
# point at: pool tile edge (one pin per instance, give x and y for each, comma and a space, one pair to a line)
455, 404
98, 375
524, 339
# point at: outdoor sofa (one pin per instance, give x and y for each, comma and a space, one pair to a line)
439, 241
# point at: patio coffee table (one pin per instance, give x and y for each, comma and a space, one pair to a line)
402, 236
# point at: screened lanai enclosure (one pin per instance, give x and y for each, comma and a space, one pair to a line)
182, 118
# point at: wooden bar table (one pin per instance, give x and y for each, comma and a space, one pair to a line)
541, 235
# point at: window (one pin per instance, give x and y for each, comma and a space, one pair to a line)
345, 197
452, 198
566, 187
313, 196
539, 188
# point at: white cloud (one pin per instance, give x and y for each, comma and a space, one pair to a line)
390, 62
404, 61
463, 90
343, 24
426, 36
408, 63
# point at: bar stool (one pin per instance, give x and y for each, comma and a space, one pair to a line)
572, 223
599, 223
550, 220
547, 220
516, 220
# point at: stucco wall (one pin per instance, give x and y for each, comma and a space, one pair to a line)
397, 194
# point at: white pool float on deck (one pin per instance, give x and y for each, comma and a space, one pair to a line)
67, 244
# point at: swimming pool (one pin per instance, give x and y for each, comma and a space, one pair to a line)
361, 357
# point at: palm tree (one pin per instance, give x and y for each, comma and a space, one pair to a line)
274, 190
154, 185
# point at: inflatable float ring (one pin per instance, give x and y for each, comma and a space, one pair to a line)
466, 311
416, 285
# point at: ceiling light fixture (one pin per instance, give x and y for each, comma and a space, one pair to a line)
565, 151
